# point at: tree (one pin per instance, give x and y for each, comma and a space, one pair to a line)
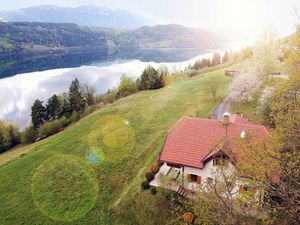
50, 128
53, 107
9, 135
212, 87
76, 100
14, 133
65, 106
225, 57
38, 114
216, 59
88, 93
126, 86
29, 135
149, 79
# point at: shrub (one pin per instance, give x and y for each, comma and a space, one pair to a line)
9, 135
126, 86
89, 110
74, 117
160, 163
64, 121
149, 176
153, 191
145, 184
154, 168
29, 135
191, 72
110, 97
188, 217
50, 128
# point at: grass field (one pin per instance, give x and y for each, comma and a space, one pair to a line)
91, 172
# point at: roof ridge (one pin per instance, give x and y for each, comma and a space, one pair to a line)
178, 122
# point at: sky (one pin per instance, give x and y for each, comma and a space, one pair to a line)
244, 16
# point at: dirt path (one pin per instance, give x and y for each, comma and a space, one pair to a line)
224, 106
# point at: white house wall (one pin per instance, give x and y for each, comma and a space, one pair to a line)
209, 170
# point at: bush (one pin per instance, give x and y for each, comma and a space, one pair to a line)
9, 135
191, 72
145, 184
154, 168
89, 110
74, 117
160, 163
29, 135
64, 121
149, 176
188, 217
153, 191
126, 87
110, 97
50, 128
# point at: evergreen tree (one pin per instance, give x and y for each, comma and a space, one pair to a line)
76, 100
38, 114
2, 142
149, 79
53, 107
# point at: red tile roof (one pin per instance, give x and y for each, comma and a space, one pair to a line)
235, 118
192, 140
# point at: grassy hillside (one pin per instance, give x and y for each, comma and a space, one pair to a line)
91, 172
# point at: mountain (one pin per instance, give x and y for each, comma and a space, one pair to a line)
36, 37
31, 46
171, 36
83, 15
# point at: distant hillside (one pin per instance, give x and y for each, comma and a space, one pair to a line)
31, 46
84, 15
171, 36
23, 38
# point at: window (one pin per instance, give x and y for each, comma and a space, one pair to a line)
194, 177
216, 161
244, 188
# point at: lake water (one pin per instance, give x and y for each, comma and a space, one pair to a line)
17, 93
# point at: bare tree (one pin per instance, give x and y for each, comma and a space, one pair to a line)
213, 87
88, 92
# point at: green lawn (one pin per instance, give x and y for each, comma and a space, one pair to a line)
91, 172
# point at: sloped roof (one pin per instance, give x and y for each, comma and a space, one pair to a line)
192, 140
235, 118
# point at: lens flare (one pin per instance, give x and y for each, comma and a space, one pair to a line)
64, 188
111, 138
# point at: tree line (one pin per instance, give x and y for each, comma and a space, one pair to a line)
217, 59
63, 109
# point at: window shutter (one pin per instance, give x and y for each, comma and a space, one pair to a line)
198, 179
189, 178
241, 188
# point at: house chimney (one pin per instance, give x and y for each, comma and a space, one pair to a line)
226, 119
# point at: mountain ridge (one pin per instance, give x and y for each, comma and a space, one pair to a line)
87, 15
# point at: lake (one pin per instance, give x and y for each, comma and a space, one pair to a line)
18, 92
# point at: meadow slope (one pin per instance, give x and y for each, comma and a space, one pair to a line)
91, 172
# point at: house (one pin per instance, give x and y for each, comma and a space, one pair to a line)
195, 147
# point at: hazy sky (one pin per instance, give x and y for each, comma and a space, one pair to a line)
231, 15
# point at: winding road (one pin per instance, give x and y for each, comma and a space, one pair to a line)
224, 106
